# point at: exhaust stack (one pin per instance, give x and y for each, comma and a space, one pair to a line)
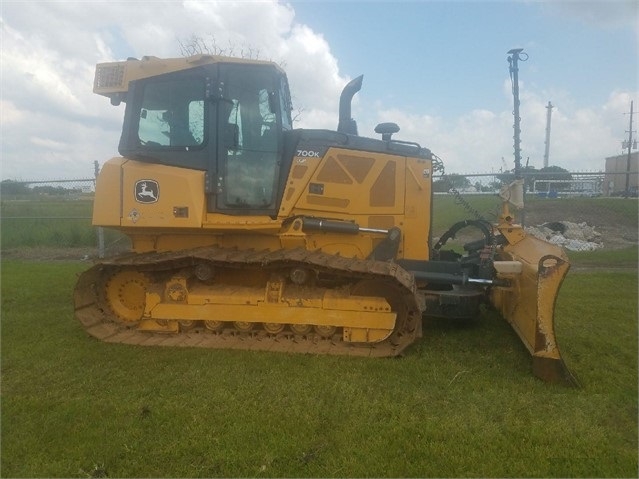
346, 123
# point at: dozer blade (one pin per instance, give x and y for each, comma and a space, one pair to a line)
528, 304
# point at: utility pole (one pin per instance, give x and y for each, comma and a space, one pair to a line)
517, 188
547, 152
513, 60
627, 191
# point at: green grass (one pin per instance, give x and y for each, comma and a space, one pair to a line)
462, 402
448, 209
47, 223
626, 257
626, 208
51, 223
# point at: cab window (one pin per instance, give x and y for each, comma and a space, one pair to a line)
172, 114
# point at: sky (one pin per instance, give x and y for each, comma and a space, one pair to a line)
436, 68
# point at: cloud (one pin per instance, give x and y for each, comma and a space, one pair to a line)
313, 76
36, 69
48, 143
54, 126
10, 114
481, 140
580, 138
601, 14
50, 50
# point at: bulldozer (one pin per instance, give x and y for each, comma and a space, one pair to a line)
248, 233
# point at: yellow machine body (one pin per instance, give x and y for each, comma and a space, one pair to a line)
373, 190
249, 234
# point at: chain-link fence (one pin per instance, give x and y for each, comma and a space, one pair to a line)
51, 214
580, 211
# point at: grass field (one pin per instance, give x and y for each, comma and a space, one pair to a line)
50, 224
461, 403
47, 223
598, 212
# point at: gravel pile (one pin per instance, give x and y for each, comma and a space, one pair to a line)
572, 236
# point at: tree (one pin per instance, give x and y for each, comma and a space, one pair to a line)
527, 172
494, 186
458, 182
552, 173
13, 188
196, 45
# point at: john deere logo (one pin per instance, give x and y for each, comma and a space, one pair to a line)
147, 191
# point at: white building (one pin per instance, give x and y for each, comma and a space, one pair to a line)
617, 173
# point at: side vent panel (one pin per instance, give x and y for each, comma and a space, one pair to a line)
382, 192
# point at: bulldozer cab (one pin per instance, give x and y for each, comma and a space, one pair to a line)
225, 119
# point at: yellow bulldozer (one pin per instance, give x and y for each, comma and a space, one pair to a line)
247, 233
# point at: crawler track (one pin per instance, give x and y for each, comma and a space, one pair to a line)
99, 319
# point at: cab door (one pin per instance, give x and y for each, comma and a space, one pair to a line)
249, 130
